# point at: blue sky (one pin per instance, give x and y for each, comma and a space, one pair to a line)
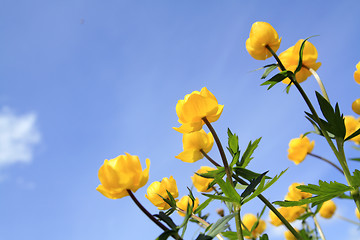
84, 81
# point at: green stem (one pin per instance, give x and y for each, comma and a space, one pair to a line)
348, 220
339, 153
319, 228
327, 161
262, 198
221, 149
152, 218
238, 224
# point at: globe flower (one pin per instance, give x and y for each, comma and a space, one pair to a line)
184, 202
157, 189
356, 106
121, 174
249, 220
299, 148
196, 106
289, 235
328, 208
262, 34
296, 194
290, 60
357, 73
192, 144
289, 213
351, 125
201, 184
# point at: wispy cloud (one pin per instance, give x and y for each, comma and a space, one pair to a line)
18, 136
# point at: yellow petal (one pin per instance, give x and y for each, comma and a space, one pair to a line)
190, 156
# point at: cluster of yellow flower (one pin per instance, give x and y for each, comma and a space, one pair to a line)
299, 148
263, 37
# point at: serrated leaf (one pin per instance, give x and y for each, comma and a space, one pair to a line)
203, 205
324, 191
252, 185
356, 178
262, 186
228, 189
220, 225
276, 79
246, 157
235, 159
268, 70
247, 174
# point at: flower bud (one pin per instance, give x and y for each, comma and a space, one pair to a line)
249, 220
299, 148
121, 174
157, 189
328, 208
184, 202
196, 106
290, 60
262, 34
220, 211
193, 142
356, 106
357, 73
201, 184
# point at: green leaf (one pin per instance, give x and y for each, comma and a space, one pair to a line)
220, 225
323, 192
218, 197
305, 216
355, 159
211, 174
264, 237
230, 235
247, 174
165, 235
357, 132
252, 185
246, 157
269, 69
356, 178
335, 121
203, 237
299, 66
262, 187
166, 219
228, 189
233, 142
203, 205
277, 78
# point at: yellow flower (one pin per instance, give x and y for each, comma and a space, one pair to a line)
201, 183
184, 202
328, 208
290, 60
351, 125
296, 194
196, 106
357, 73
121, 174
192, 144
289, 235
262, 34
356, 106
299, 148
289, 213
357, 213
159, 188
249, 220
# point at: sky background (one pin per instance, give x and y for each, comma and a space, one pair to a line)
83, 81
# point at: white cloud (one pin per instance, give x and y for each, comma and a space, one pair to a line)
18, 135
